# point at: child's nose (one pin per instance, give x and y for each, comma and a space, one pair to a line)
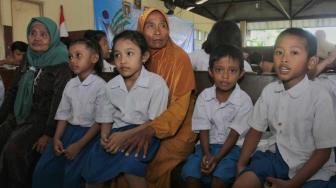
122, 60
284, 58
225, 74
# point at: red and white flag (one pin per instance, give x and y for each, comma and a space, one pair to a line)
62, 27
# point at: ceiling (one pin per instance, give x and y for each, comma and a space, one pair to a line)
261, 10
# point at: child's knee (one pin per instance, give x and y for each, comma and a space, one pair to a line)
247, 179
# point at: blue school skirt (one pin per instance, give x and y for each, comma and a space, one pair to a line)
102, 166
57, 171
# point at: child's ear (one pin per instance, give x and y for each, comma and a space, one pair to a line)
145, 57
94, 58
313, 61
312, 67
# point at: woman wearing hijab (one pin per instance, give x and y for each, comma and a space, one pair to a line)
27, 114
173, 126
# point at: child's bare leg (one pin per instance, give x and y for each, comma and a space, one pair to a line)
135, 181
193, 183
247, 179
218, 183
98, 185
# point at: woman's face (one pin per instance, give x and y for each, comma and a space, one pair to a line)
39, 38
156, 30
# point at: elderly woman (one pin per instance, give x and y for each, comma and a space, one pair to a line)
27, 114
173, 126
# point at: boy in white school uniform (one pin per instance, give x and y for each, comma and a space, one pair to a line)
300, 114
220, 116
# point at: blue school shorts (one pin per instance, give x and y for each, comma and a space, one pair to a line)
225, 169
269, 164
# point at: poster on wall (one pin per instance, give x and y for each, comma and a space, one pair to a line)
114, 16
110, 17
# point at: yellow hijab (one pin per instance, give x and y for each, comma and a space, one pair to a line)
170, 62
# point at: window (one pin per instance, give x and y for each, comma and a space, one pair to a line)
262, 37
200, 35
329, 31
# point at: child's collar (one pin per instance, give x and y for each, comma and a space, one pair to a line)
234, 97
296, 90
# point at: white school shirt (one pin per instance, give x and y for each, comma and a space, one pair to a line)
220, 118
146, 100
107, 67
302, 120
82, 101
200, 61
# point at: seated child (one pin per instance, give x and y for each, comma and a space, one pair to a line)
134, 97
61, 163
300, 114
18, 50
220, 116
101, 38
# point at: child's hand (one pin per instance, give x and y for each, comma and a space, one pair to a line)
209, 162
58, 147
104, 141
205, 162
72, 150
278, 183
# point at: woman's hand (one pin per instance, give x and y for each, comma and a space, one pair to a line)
139, 141
58, 147
116, 141
72, 150
41, 143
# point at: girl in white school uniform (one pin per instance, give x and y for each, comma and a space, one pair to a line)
134, 97
61, 163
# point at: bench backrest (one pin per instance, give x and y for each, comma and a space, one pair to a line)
251, 83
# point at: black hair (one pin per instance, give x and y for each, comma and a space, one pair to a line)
95, 47
95, 35
223, 32
66, 41
255, 58
227, 51
19, 45
134, 36
311, 42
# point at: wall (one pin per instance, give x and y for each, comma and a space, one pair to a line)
201, 23
79, 15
